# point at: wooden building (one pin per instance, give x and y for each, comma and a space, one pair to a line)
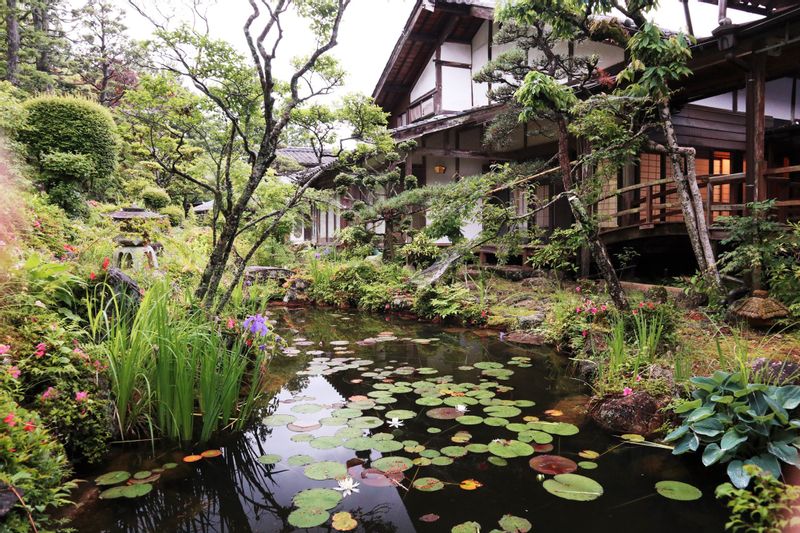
738, 110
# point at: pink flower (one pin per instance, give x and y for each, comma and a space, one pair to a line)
81, 396
651, 305
29, 426
638, 378
641, 304
92, 276
578, 310
231, 323
10, 419
635, 312
584, 333
49, 393
14, 372
627, 391
594, 310
4, 348
106, 263
41, 349
37, 224
577, 289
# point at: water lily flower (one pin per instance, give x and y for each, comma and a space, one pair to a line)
395, 423
257, 325
14, 372
81, 396
10, 419
347, 486
4, 349
627, 391
461, 408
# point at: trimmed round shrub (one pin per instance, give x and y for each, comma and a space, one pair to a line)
175, 214
69, 197
155, 198
68, 125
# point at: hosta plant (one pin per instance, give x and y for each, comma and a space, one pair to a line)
740, 423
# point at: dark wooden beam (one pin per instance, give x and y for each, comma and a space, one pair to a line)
755, 188
423, 37
466, 154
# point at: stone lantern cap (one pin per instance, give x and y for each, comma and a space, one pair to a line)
134, 212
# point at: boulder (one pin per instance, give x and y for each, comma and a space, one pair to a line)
520, 337
260, 274
639, 413
776, 372
123, 285
657, 294
532, 321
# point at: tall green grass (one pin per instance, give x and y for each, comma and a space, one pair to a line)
174, 370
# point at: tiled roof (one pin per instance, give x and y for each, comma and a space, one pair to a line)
304, 155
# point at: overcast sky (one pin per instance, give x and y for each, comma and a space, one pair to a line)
371, 28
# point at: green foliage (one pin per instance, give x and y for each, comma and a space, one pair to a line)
13, 114
770, 506
155, 198
572, 319
454, 302
560, 252
69, 197
421, 252
347, 283
739, 423
67, 125
175, 214
32, 462
540, 93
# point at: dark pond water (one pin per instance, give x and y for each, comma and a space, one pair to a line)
238, 493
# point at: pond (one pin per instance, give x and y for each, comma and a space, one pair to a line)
390, 413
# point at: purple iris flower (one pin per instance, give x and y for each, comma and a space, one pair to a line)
257, 325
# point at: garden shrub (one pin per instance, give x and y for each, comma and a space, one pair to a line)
421, 252
12, 111
771, 506
573, 318
69, 197
155, 197
346, 283
68, 125
453, 302
175, 214
33, 463
741, 424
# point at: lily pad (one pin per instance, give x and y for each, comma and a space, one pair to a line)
497, 461
502, 411
510, 448
308, 517
365, 422
632, 437
442, 461
466, 527
454, 451
677, 490
555, 428
444, 413
324, 499
301, 427
325, 470
344, 521
144, 474
300, 460
515, 524
574, 487
278, 420
553, 464
386, 446
359, 444
127, 491
326, 443
428, 484
210, 454
393, 464
113, 478
269, 459
469, 420
400, 414
587, 465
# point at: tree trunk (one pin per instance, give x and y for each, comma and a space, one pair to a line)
41, 25
12, 42
388, 239
691, 202
582, 218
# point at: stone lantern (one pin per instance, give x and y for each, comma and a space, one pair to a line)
134, 249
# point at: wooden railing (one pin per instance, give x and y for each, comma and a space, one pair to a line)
646, 204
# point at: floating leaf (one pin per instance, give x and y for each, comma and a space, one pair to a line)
469, 420
543, 448
359, 444
269, 459
574, 487
324, 499
170, 466
442, 461
677, 490
497, 461
325, 470
470, 484
113, 478
454, 451
393, 464
510, 448
502, 411
495, 422
428, 484
386, 446
555, 428
365, 422
192, 458
632, 437
143, 474
326, 443
308, 517
587, 465
300, 460
444, 413
589, 454
210, 454
278, 420
302, 427
553, 464
554, 413
127, 491
344, 521
477, 448
429, 518
515, 524
467, 527
400, 414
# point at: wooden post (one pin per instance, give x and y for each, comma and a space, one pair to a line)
709, 203
755, 184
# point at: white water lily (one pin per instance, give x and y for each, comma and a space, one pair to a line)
395, 423
462, 408
347, 486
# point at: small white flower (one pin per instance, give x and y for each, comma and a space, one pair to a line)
461, 408
347, 486
395, 423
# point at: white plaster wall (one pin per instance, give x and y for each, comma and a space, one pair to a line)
609, 54
720, 101
456, 88
426, 82
779, 99
470, 139
457, 52
480, 56
472, 167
